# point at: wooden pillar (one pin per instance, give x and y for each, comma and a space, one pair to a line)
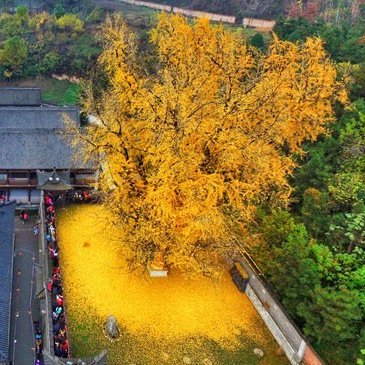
29, 188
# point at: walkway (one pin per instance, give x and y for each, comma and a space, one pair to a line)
25, 308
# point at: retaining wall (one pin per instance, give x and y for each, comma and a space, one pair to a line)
258, 23
161, 7
286, 333
247, 22
202, 14
190, 13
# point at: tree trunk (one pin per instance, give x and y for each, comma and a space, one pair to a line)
350, 247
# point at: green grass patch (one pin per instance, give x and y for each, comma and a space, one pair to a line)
86, 47
53, 90
137, 17
60, 92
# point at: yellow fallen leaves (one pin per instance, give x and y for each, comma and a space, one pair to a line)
96, 281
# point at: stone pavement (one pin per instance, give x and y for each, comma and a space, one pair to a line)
25, 308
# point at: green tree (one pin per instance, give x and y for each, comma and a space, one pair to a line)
346, 189
22, 14
257, 41
14, 55
10, 25
334, 38
333, 316
296, 29
315, 212
292, 270
44, 25
71, 23
316, 167
59, 11
351, 230
49, 63
352, 138
358, 84
84, 52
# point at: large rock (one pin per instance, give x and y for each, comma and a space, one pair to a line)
111, 326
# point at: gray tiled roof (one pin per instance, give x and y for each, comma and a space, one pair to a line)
35, 118
30, 132
20, 96
6, 264
30, 138
35, 150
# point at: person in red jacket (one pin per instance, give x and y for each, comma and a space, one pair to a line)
59, 300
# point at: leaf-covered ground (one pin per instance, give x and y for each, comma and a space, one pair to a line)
173, 320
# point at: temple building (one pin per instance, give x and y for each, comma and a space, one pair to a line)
30, 135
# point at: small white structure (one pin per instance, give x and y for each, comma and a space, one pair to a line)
156, 273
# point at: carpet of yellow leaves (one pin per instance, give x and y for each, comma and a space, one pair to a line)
97, 283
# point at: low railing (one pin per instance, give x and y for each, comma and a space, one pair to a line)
282, 327
47, 323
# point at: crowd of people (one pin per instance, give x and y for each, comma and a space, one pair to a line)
61, 343
82, 196
38, 346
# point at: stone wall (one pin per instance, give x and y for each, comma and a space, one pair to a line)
190, 13
161, 7
258, 23
247, 22
290, 351
202, 14
288, 336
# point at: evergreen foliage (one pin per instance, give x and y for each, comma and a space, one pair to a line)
325, 297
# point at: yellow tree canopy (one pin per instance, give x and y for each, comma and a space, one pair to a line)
189, 153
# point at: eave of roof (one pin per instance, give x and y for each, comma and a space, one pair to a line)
54, 181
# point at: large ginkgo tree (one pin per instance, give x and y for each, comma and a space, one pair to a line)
188, 153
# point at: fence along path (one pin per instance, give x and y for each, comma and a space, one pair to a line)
246, 22
190, 13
